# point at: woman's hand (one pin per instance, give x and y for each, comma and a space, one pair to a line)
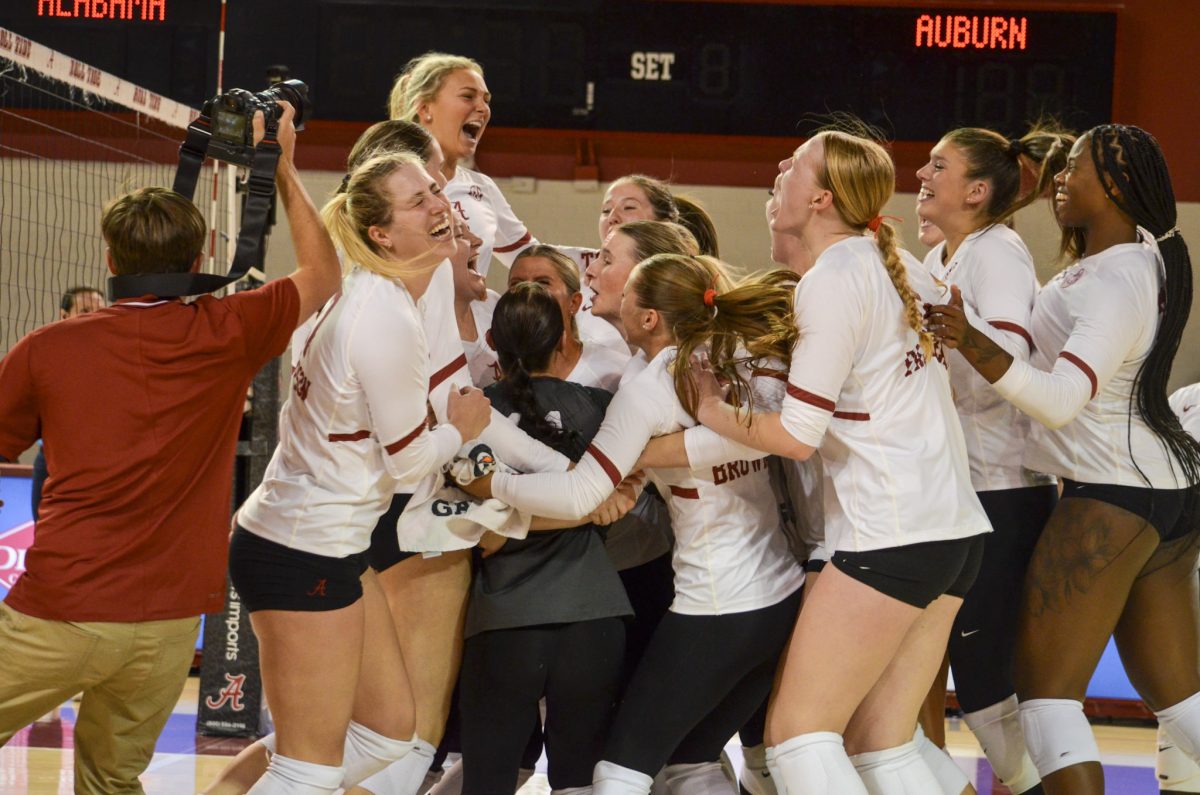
949, 325
620, 502
709, 390
948, 322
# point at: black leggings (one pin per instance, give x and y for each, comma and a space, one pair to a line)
701, 678
505, 672
985, 630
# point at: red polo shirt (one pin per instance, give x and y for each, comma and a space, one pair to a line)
139, 405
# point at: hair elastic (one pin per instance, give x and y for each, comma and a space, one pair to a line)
710, 298
877, 222
345, 184
1170, 233
1017, 147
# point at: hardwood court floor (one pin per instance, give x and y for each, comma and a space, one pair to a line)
38, 760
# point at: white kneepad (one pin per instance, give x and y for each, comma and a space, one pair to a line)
814, 764
1182, 724
286, 776
405, 776
950, 777
1057, 734
998, 729
612, 779
1176, 772
704, 778
896, 771
367, 752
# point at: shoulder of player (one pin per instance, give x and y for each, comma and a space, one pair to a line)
372, 302
996, 246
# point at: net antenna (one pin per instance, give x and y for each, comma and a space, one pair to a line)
72, 137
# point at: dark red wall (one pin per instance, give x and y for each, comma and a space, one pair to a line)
1157, 86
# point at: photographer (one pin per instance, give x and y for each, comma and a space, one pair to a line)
131, 545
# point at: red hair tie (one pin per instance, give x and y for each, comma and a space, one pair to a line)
877, 222
710, 297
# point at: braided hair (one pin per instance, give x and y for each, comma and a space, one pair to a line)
1133, 173
527, 327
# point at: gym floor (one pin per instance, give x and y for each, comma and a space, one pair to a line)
38, 760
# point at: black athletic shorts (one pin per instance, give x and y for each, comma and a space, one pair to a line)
1162, 508
270, 576
385, 551
917, 573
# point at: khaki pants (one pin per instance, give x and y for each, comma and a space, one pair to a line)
131, 675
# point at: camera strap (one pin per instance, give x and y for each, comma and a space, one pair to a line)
260, 191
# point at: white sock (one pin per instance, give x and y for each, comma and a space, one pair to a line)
703, 778
286, 776
896, 771
1176, 773
1057, 734
1182, 724
815, 764
756, 778
570, 791
612, 779
405, 776
998, 729
950, 777
451, 782
526, 773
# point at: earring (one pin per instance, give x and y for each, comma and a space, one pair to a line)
428, 118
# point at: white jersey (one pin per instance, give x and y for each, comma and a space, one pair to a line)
354, 430
729, 554
478, 200
879, 412
994, 272
1093, 326
799, 483
1185, 402
481, 356
599, 366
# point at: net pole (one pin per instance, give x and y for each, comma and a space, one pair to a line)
218, 167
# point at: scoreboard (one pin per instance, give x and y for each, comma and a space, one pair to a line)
724, 68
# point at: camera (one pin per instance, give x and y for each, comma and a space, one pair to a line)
232, 115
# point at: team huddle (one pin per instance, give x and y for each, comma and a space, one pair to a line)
689, 504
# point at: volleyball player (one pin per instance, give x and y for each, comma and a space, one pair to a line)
1118, 555
545, 616
342, 707
1176, 772
737, 586
592, 363
474, 303
969, 188
448, 96
867, 389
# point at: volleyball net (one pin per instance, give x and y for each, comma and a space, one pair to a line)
73, 137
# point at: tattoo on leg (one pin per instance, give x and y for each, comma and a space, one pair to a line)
1071, 555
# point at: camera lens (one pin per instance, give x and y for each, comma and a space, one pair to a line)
293, 91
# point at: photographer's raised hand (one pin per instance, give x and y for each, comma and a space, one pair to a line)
318, 273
